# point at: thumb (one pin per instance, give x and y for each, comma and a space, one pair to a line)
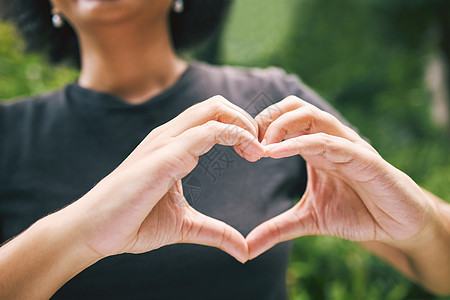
286, 226
201, 229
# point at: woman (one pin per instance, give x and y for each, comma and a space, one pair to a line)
134, 92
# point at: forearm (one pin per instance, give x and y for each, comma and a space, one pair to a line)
426, 257
35, 264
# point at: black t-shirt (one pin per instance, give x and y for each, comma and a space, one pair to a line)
54, 148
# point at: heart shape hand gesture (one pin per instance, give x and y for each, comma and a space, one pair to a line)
352, 192
140, 206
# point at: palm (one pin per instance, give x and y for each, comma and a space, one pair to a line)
354, 202
351, 193
347, 199
166, 223
331, 207
170, 220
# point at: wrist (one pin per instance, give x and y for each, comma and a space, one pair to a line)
431, 230
63, 232
426, 252
43, 258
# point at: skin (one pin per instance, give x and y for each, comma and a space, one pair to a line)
352, 192
112, 35
149, 213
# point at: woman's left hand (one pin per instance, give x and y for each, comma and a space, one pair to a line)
352, 193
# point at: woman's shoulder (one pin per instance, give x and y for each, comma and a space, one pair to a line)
27, 113
271, 83
30, 105
21, 118
261, 77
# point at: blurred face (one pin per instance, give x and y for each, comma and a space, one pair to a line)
86, 14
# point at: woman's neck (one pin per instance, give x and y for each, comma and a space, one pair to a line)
129, 64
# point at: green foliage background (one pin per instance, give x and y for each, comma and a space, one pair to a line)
360, 57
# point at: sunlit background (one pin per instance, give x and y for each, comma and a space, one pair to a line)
381, 63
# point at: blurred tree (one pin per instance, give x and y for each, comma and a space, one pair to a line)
211, 51
418, 23
341, 50
23, 75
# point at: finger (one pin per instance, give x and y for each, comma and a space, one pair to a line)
357, 161
204, 230
201, 139
274, 111
216, 108
335, 149
284, 227
183, 151
180, 156
307, 119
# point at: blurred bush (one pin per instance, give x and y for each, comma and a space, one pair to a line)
368, 58
25, 74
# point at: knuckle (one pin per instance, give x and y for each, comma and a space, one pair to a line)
214, 130
329, 118
311, 118
276, 231
325, 141
218, 98
312, 112
166, 167
157, 131
214, 105
293, 99
224, 237
210, 126
276, 128
322, 116
322, 136
216, 101
297, 142
268, 114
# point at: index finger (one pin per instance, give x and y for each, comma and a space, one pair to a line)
216, 108
274, 111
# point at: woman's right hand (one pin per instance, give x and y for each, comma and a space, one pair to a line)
137, 208
140, 206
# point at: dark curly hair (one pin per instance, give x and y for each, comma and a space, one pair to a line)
199, 21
